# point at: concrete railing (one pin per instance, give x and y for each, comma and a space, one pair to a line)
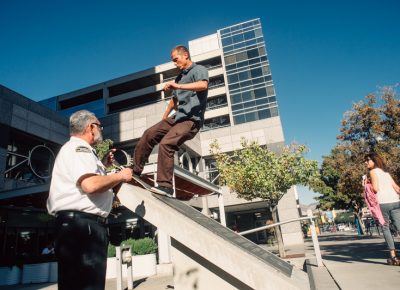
207, 255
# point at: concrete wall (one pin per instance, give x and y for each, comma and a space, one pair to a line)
287, 209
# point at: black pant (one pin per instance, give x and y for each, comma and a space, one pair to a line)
81, 250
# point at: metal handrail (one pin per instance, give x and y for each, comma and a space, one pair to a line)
313, 233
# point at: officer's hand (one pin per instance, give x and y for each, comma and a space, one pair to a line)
126, 174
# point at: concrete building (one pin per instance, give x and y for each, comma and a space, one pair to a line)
241, 103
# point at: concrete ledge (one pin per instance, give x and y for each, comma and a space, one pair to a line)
319, 277
210, 253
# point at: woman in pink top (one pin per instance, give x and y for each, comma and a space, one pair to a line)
387, 193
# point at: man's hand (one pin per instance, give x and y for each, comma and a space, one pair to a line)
171, 86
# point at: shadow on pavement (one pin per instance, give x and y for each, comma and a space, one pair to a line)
351, 248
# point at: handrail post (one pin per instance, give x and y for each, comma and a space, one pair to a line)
315, 239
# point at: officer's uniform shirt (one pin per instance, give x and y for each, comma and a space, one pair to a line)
75, 159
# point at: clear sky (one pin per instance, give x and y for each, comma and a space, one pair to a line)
324, 55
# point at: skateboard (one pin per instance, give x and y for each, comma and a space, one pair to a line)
147, 186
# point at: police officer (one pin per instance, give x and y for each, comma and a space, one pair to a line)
81, 198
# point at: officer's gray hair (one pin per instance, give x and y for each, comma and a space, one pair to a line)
80, 120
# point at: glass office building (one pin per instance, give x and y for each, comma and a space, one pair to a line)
249, 77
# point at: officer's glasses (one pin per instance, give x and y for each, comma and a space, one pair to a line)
98, 125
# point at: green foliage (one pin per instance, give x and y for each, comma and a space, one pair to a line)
256, 172
372, 125
111, 251
141, 246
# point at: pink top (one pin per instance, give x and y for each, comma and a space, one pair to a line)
372, 203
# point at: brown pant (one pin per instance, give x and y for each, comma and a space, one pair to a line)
170, 135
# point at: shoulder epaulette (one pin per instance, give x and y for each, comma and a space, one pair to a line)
83, 149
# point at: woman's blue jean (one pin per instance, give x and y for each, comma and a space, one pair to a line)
390, 211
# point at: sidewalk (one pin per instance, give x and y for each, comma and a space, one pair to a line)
157, 282
350, 263
357, 263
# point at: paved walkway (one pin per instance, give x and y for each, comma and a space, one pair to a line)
352, 263
358, 263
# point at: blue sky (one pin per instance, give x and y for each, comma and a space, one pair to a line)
324, 55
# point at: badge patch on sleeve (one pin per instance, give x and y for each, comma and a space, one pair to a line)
83, 149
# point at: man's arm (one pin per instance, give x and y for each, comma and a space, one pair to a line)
91, 183
172, 104
196, 86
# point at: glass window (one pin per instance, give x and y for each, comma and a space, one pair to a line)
227, 41
250, 117
245, 84
266, 70
230, 59
252, 53
237, 38
237, 107
254, 60
241, 56
259, 93
271, 99
244, 75
258, 81
257, 72
233, 78
236, 99
258, 32
239, 119
239, 45
262, 101
231, 66
264, 114
249, 104
226, 30
228, 48
247, 96
274, 112
251, 42
261, 50
234, 86
270, 91
249, 35
242, 64
268, 78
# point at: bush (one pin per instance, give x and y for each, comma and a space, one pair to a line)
111, 251
141, 246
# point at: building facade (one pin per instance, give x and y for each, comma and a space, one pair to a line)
241, 104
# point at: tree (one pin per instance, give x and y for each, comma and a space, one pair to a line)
371, 126
256, 172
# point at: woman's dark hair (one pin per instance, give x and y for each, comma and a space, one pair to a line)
378, 160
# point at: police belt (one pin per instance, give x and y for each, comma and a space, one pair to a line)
72, 214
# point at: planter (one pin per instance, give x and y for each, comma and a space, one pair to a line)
10, 275
144, 265
35, 273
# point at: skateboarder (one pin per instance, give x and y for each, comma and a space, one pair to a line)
189, 99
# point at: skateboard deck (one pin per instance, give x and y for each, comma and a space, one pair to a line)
147, 186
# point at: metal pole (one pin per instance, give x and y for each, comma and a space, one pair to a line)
119, 267
315, 240
274, 225
221, 206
